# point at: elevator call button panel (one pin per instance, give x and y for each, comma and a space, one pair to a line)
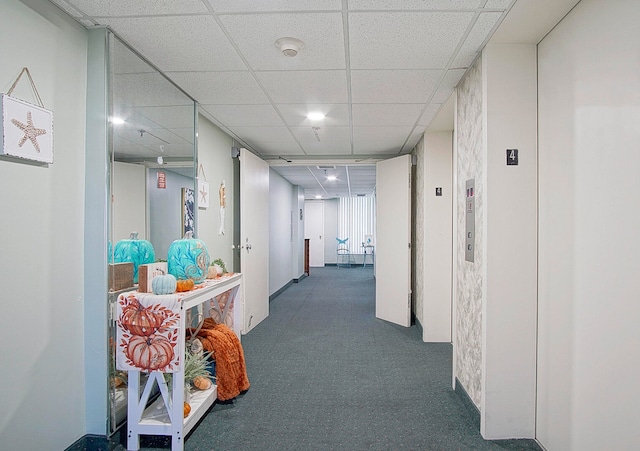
470, 228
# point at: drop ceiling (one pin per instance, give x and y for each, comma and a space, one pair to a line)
379, 70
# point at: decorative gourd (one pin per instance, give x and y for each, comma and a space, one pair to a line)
187, 409
140, 320
164, 284
150, 353
184, 285
188, 258
139, 252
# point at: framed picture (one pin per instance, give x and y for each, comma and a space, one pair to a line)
188, 210
203, 194
27, 130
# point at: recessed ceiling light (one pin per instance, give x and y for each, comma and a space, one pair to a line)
289, 46
331, 178
117, 120
318, 196
315, 116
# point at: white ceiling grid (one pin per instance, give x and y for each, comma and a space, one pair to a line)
379, 70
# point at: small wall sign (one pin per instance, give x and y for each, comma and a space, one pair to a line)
162, 180
512, 157
438, 191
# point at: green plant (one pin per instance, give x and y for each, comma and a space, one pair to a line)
195, 365
220, 263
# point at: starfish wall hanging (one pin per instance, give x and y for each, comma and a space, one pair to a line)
30, 132
27, 130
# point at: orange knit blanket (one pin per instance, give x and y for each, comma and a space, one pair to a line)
231, 372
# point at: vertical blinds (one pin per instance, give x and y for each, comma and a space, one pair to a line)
356, 219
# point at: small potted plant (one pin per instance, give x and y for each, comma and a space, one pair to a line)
217, 268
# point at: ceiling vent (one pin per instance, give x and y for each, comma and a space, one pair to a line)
289, 46
326, 167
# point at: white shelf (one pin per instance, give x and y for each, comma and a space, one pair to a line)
156, 417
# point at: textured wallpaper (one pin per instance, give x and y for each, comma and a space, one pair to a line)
418, 230
468, 302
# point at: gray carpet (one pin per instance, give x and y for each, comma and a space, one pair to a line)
327, 375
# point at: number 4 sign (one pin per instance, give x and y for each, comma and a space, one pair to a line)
512, 157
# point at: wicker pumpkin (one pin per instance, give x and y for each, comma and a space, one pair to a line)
188, 258
150, 353
164, 284
138, 252
140, 320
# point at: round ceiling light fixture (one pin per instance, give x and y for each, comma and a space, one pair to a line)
315, 116
289, 46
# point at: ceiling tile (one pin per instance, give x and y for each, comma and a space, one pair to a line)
379, 139
447, 85
266, 134
393, 86
498, 4
402, 40
479, 33
327, 148
218, 88
322, 34
201, 45
225, 6
139, 7
386, 114
151, 89
271, 148
429, 113
414, 4
326, 134
295, 115
244, 115
328, 86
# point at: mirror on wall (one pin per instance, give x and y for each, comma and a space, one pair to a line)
152, 171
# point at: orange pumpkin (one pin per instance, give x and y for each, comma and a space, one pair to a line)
150, 353
140, 320
187, 409
185, 285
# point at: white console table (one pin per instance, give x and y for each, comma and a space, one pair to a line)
165, 415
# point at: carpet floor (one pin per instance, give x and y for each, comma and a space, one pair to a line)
327, 375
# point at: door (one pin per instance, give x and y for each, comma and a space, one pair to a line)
314, 230
393, 240
254, 238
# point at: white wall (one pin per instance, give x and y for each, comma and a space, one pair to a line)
41, 264
589, 105
495, 296
283, 218
214, 154
331, 231
510, 245
437, 216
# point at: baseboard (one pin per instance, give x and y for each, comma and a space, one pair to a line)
302, 277
279, 292
469, 404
